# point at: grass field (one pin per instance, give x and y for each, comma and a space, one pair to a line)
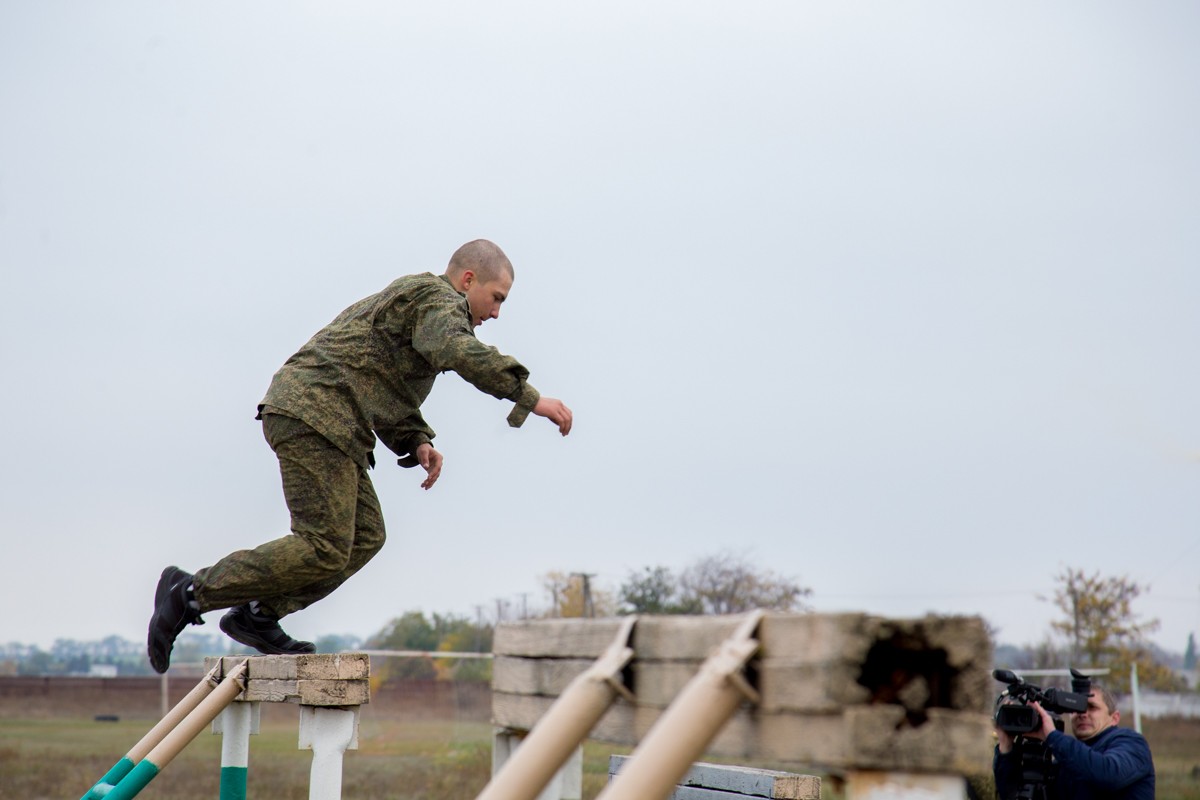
396, 760
409, 760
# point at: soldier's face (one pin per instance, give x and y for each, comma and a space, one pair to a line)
485, 299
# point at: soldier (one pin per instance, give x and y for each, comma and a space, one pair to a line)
364, 375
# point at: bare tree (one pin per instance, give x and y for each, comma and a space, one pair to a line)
729, 584
1102, 630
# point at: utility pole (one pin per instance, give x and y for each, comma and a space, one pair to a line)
1073, 591
589, 608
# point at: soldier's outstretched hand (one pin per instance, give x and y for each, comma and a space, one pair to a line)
431, 460
555, 411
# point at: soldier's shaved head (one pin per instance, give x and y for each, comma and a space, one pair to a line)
482, 257
482, 272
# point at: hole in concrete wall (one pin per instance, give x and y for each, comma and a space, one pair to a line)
904, 670
752, 672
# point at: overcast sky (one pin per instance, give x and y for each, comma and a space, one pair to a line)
899, 300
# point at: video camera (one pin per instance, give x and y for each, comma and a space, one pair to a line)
1013, 713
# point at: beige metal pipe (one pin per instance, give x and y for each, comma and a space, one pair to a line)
686, 728
173, 717
199, 718
565, 725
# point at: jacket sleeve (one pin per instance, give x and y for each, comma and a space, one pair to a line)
442, 335
1124, 761
1005, 769
404, 437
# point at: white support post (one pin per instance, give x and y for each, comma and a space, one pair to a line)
1133, 690
235, 725
328, 732
567, 783
572, 776
504, 742
870, 785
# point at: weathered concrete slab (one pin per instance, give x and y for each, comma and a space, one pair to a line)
316, 679
308, 693
720, 781
538, 676
784, 686
555, 638
307, 666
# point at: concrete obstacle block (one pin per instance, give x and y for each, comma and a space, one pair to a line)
839, 691
317, 679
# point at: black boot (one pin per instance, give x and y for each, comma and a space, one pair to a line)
173, 611
262, 632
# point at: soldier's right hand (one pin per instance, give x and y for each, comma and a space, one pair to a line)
555, 411
431, 460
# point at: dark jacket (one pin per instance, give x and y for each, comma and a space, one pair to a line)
1113, 765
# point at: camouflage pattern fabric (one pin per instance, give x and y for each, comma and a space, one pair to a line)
364, 374
368, 371
337, 527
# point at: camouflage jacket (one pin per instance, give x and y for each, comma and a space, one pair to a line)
369, 370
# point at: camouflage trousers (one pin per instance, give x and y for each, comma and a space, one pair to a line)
337, 527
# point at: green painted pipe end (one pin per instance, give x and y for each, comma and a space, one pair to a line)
134, 782
110, 779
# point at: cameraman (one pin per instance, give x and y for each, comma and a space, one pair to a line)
1102, 761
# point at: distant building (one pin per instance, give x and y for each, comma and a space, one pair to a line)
102, 671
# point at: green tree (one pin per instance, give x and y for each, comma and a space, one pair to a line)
1189, 655
413, 631
338, 643
410, 631
463, 636
38, 662
655, 590
1102, 629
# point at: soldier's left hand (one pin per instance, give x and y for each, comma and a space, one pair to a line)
556, 411
431, 460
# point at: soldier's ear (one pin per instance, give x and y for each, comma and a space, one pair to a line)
468, 277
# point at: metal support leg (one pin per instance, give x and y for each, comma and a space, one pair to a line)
871, 785
235, 725
566, 784
328, 732
572, 776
